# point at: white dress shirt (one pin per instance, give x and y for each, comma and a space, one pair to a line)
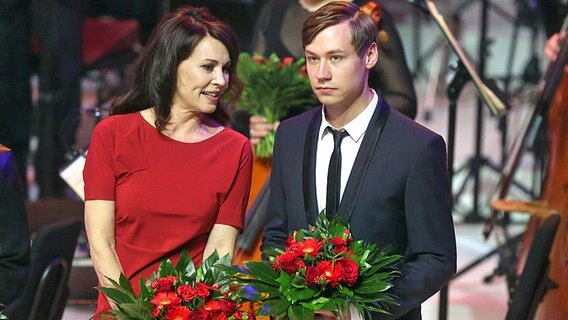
349, 148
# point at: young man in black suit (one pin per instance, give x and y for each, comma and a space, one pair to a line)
393, 184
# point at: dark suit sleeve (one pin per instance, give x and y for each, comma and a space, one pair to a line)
431, 252
276, 223
391, 74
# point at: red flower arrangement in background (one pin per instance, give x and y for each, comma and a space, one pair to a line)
178, 293
321, 268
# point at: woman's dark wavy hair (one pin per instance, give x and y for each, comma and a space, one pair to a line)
155, 77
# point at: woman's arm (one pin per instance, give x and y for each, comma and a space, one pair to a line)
222, 238
99, 224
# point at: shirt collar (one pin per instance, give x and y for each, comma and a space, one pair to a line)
356, 127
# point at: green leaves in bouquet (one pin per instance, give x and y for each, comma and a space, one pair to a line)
129, 306
284, 293
272, 87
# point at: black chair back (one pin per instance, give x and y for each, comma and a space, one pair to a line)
534, 281
46, 291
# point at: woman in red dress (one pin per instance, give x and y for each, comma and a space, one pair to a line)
163, 173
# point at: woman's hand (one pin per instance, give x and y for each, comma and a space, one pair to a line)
221, 238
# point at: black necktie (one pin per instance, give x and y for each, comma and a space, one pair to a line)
334, 173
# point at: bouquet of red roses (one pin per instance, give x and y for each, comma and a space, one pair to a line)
321, 268
179, 292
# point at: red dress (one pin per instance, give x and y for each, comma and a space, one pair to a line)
168, 194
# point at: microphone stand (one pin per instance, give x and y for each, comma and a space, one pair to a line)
455, 87
465, 71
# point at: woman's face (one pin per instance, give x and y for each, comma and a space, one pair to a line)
203, 77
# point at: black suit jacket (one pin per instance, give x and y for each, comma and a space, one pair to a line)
403, 202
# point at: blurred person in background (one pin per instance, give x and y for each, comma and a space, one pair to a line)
58, 25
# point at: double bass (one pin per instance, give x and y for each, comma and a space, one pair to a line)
555, 195
551, 107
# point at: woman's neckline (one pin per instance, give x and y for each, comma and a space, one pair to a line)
151, 124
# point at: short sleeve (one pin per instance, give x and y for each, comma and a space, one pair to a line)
99, 174
232, 210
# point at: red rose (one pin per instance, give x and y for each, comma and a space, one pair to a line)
339, 244
156, 312
313, 276
350, 271
303, 70
199, 314
338, 241
165, 284
186, 292
340, 249
286, 61
166, 299
259, 59
288, 262
227, 306
218, 316
275, 267
202, 290
178, 313
291, 239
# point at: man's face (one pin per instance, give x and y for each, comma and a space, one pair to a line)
338, 75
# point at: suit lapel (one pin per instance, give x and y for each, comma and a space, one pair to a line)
309, 168
363, 159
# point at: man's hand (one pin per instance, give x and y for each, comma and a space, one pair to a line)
260, 128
